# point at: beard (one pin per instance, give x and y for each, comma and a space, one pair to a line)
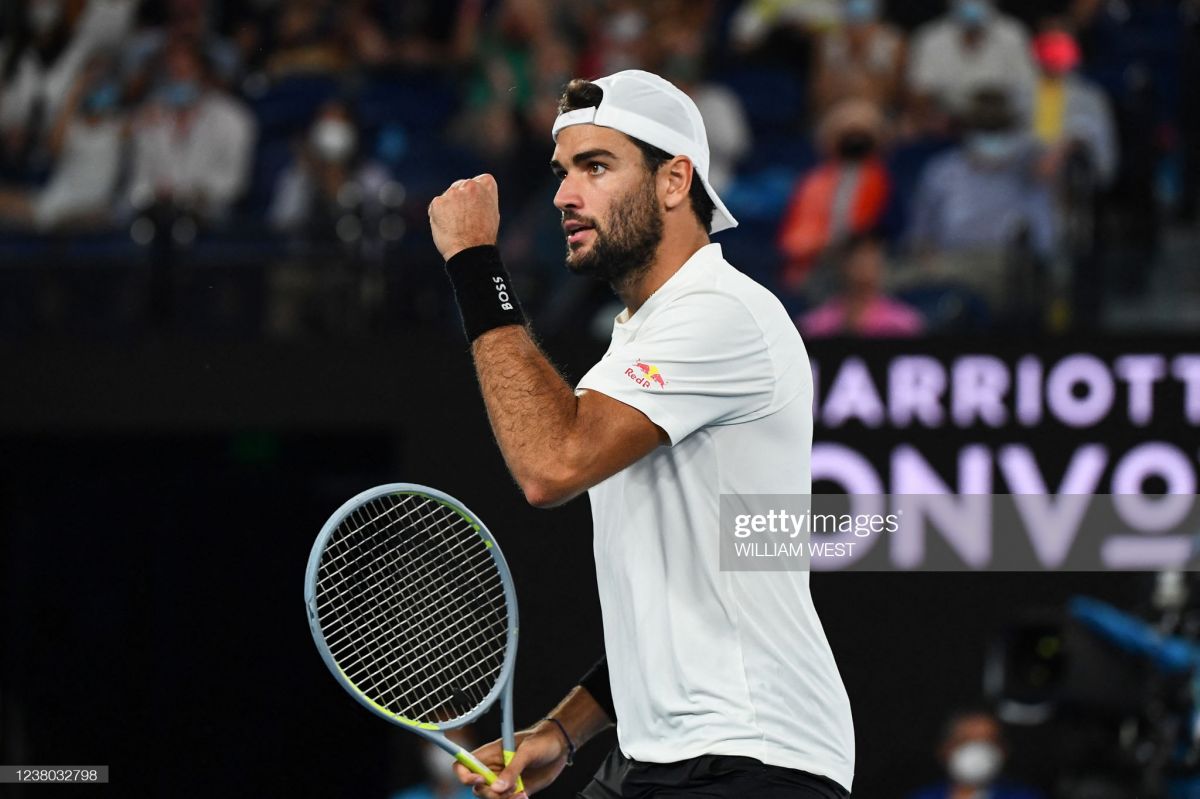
624, 248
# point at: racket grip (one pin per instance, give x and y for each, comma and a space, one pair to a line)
520, 786
471, 762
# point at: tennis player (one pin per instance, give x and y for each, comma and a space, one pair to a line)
721, 683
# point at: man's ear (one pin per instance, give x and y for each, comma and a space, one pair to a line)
676, 178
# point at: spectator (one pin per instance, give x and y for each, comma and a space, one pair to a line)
862, 58
987, 193
972, 751
192, 142
760, 25
729, 136
104, 24
504, 83
328, 179
39, 63
306, 38
186, 20
845, 194
416, 34
86, 144
1070, 114
508, 97
630, 34
972, 46
623, 39
861, 308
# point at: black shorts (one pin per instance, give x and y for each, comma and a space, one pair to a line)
708, 777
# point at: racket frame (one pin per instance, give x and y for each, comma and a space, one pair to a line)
432, 732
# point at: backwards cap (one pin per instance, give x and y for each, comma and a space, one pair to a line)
653, 110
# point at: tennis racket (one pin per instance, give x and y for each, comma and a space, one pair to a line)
412, 608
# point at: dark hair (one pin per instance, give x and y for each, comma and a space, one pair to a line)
964, 712
989, 108
870, 237
582, 93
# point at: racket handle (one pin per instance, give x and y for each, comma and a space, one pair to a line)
473, 763
520, 786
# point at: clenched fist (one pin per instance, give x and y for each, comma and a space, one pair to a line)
466, 215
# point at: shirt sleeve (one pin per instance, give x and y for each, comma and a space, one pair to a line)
701, 360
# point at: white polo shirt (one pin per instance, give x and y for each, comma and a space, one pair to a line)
704, 661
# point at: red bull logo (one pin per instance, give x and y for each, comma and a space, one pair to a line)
649, 374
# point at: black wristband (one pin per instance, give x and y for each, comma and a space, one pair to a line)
484, 291
596, 683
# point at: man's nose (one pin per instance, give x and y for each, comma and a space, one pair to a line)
567, 197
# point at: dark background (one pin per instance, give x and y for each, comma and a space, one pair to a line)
169, 449
159, 503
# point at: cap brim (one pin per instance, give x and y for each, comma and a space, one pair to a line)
722, 219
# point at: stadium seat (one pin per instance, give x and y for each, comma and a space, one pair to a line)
289, 105
948, 308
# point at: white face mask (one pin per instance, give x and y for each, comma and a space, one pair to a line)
334, 139
976, 763
996, 148
438, 765
44, 15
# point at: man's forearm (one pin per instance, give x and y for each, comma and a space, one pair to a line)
531, 408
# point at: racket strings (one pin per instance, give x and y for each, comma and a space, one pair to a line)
418, 624
379, 547
412, 607
417, 707
376, 617
423, 627
481, 559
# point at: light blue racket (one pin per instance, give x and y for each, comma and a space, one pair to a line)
413, 610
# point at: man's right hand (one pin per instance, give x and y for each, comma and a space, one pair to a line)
540, 757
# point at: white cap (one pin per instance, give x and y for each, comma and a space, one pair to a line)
653, 110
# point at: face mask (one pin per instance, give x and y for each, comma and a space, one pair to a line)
976, 763
855, 146
438, 765
995, 147
860, 10
973, 13
44, 16
101, 99
180, 93
626, 26
334, 140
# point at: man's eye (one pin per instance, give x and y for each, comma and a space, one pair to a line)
597, 169
559, 175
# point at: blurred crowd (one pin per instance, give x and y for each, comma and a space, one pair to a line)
936, 166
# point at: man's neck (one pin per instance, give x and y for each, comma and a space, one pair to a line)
673, 253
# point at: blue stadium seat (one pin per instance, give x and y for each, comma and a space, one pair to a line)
948, 308
751, 248
779, 148
417, 103
761, 196
271, 157
773, 99
289, 105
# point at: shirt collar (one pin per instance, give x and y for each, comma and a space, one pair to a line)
708, 254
